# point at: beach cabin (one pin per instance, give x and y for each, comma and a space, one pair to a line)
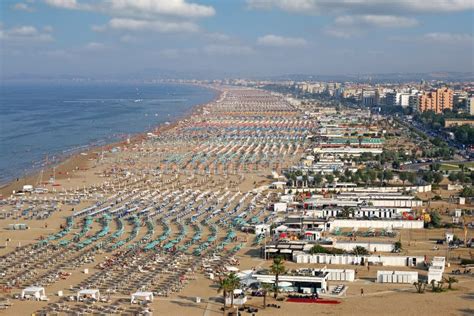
280, 207
27, 188
408, 277
88, 294
141, 297
35, 292
17, 226
278, 185
239, 298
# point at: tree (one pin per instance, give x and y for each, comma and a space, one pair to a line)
371, 175
411, 177
453, 177
437, 177
397, 246
450, 281
318, 179
360, 251
234, 283
467, 192
330, 178
347, 212
437, 286
435, 219
318, 249
380, 176
277, 268
388, 175
420, 286
266, 287
223, 286
403, 176
435, 166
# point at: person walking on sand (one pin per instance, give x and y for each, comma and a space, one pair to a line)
361, 292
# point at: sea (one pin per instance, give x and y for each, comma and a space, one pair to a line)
43, 123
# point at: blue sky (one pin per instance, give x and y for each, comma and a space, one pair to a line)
232, 37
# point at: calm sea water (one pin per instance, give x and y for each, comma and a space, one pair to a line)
54, 120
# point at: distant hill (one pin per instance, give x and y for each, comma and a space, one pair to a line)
385, 77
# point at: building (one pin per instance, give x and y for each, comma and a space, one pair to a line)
437, 100
404, 99
470, 105
414, 102
314, 281
457, 122
391, 98
368, 98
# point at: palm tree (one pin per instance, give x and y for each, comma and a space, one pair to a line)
450, 281
420, 286
223, 286
277, 268
266, 287
234, 283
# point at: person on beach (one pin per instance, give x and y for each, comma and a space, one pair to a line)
361, 292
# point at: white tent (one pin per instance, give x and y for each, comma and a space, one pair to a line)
141, 296
34, 291
285, 284
232, 269
88, 293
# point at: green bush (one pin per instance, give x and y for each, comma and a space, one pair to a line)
467, 261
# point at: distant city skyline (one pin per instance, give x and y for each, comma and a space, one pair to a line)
244, 38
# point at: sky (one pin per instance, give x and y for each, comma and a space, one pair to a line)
235, 37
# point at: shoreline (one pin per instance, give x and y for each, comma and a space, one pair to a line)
65, 163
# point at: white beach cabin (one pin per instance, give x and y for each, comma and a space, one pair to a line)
34, 291
239, 298
88, 293
141, 296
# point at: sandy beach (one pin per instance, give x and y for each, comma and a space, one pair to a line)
159, 212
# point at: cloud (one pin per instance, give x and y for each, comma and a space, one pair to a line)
20, 6
347, 26
139, 8
231, 49
179, 8
26, 34
146, 25
94, 46
449, 37
377, 7
164, 16
48, 28
65, 4
342, 33
280, 41
170, 53
128, 38
217, 37
374, 21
